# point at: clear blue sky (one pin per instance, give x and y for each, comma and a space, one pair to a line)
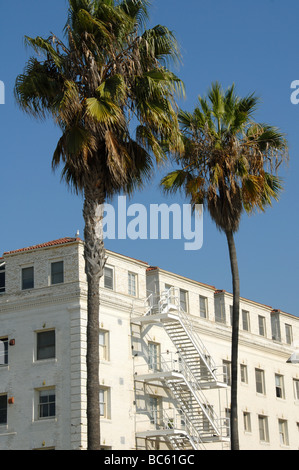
253, 44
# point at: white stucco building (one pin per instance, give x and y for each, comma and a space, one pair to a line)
165, 358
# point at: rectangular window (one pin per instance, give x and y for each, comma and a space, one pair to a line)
247, 421
108, 278
45, 345
283, 432
2, 278
183, 300
260, 381
207, 417
154, 410
28, 278
104, 397
203, 306
57, 276
244, 375
296, 389
262, 325
245, 320
47, 403
132, 284
3, 409
289, 334
226, 372
104, 345
263, 428
279, 386
154, 356
227, 419
3, 351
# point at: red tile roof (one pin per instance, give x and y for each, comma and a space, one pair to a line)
60, 241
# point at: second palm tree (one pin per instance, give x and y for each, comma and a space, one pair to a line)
230, 166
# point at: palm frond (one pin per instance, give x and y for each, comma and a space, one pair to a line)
103, 110
230, 160
175, 180
45, 46
109, 71
39, 89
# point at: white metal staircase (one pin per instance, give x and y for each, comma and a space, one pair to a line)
176, 428
186, 376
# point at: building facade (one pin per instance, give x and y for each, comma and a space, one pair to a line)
165, 358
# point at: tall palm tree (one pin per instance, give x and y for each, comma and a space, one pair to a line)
230, 166
109, 88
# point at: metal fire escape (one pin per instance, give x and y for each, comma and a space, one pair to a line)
186, 374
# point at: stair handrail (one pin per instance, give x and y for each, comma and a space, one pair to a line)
194, 388
170, 297
176, 418
167, 298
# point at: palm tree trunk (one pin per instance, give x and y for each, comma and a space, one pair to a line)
235, 340
94, 254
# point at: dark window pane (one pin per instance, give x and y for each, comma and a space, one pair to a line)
3, 351
46, 345
57, 272
27, 278
108, 278
2, 280
3, 409
47, 404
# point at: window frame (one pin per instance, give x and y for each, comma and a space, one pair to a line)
110, 268
40, 347
296, 389
245, 320
263, 427
134, 284
46, 392
279, 387
105, 404
185, 300
203, 313
261, 381
289, 333
244, 373
227, 372
2, 276
154, 356
262, 325
247, 421
53, 274
5, 342
23, 286
105, 347
283, 432
3, 409
155, 409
